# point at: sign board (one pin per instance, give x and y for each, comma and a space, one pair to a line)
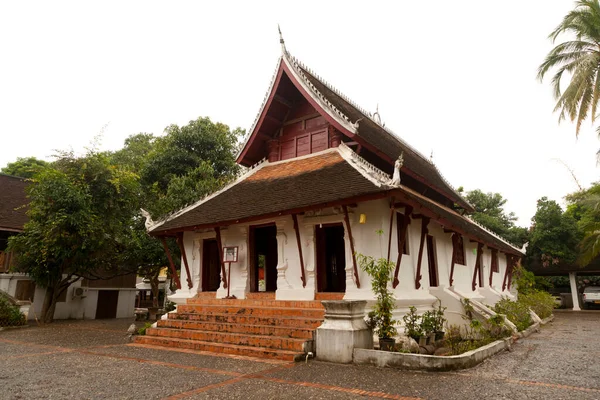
230, 254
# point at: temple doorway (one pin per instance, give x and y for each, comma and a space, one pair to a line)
331, 258
263, 268
211, 270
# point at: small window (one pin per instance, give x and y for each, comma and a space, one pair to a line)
458, 248
63, 296
25, 290
400, 222
494, 266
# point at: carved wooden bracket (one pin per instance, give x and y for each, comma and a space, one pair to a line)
171, 264
296, 228
477, 266
424, 232
219, 243
347, 220
402, 235
184, 256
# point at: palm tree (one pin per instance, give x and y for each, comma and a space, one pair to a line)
580, 58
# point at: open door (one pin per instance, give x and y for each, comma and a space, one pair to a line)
331, 258
211, 270
263, 268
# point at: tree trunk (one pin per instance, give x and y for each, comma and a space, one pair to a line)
47, 314
155, 290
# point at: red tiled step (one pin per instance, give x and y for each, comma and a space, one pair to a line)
257, 303
206, 295
329, 296
293, 322
222, 348
256, 311
272, 342
260, 295
265, 330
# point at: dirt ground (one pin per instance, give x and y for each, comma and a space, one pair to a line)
95, 360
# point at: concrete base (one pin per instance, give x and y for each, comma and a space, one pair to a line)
343, 330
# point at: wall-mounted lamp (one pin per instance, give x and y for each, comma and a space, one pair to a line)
362, 219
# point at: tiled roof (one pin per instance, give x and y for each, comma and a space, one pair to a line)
377, 135
326, 177
13, 202
276, 187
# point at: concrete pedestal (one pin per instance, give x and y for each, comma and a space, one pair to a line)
343, 329
574, 292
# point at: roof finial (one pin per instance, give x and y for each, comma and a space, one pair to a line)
281, 41
377, 116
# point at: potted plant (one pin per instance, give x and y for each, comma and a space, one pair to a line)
428, 326
412, 326
438, 322
381, 318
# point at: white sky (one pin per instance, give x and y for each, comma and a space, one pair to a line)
458, 78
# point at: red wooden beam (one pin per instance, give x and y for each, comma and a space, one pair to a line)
402, 235
179, 240
347, 219
477, 267
171, 264
392, 212
296, 228
224, 279
424, 232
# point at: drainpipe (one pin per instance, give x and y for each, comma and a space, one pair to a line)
573, 281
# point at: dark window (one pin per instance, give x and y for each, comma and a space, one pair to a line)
459, 249
494, 265
400, 222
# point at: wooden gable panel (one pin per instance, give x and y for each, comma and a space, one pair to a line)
302, 145
320, 141
288, 149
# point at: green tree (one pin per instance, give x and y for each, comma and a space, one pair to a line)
80, 217
24, 167
134, 154
579, 56
584, 207
489, 212
554, 235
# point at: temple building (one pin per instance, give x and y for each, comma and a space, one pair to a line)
325, 180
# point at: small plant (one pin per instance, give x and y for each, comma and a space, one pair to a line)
428, 321
438, 318
412, 325
142, 330
10, 315
516, 312
380, 271
169, 306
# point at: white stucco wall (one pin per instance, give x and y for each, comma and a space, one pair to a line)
366, 241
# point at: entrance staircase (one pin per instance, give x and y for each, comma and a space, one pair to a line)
258, 326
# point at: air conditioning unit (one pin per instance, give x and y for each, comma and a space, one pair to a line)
79, 292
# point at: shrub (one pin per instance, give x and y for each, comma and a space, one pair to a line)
516, 312
541, 302
412, 326
10, 315
142, 330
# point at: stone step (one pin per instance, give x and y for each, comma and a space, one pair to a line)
282, 321
222, 348
206, 295
256, 303
271, 342
255, 311
265, 330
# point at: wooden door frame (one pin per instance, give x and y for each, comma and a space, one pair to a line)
252, 267
317, 263
205, 272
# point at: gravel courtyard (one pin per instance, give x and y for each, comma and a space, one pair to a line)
94, 360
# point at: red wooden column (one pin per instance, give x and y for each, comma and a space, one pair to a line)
171, 264
179, 240
508, 267
493, 265
297, 229
392, 212
347, 219
455, 239
424, 232
402, 234
218, 232
477, 266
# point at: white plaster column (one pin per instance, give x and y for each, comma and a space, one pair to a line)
574, 293
352, 291
241, 269
282, 262
195, 264
309, 257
